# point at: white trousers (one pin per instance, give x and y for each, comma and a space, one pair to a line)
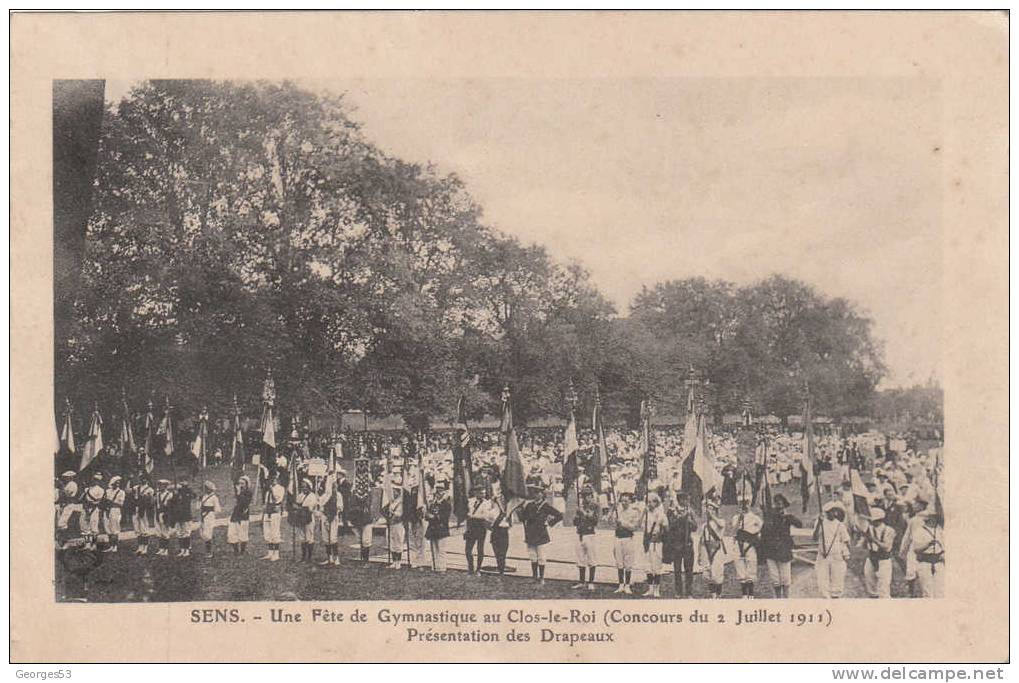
113, 521
931, 579
536, 553
237, 532
878, 581
654, 557
414, 533
623, 553
831, 576
90, 522
746, 566
208, 525
397, 539
271, 528
438, 548
585, 551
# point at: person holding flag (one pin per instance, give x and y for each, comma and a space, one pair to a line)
200, 445
393, 511
360, 514
92, 502
331, 505
437, 516
272, 517
463, 467
481, 512
94, 443
415, 502
656, 525
832, 555
208, 508
747, 526
237, 529
113, 504
143, 519
537, 516
586, 521
163, 515
305, 506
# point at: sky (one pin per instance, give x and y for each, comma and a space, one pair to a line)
836, 182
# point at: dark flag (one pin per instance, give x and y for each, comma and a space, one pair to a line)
596, 463
570, 448
647, 444
463, 470
513, 484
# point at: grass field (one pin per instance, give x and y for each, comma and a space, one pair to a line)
125, 577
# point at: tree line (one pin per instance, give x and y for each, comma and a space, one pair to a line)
242, 227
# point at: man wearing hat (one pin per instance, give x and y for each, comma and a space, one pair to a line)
237, 529
208, 507
305, 505
272, 518
164, 524
69, 503
832, 550
91, 502
394, 512
499, 537
143, 518
655, 526
180, 505
413, 517
113, 503
480, 513
682, 534
627, 522
777, 544
586, 520
878, 539
747, 529
713, 549
437, 518
927, 546
537, 516
331, 506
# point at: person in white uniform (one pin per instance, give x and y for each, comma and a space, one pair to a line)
833, 543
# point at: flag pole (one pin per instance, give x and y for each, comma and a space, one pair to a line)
810, 453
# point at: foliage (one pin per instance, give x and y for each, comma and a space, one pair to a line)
241, 227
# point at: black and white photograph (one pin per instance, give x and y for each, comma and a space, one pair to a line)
510, 336
304, 353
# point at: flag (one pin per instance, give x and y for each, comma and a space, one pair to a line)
166, 431
268, 426
126, 433
94, 443
600, 456
463, 470
387, 483
423, 493
362, 479
647, 444
698, 470
150, 422
237, 446
67, 432
861, 498
807, 459
513, 484
507, 412
199, 446
570, 448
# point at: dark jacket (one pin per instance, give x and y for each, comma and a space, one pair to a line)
776, 539
241, 506
682, 531
586, 520
537, 518
438, 520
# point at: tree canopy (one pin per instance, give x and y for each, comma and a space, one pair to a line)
241, 227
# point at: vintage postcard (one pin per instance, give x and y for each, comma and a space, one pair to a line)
487, 336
